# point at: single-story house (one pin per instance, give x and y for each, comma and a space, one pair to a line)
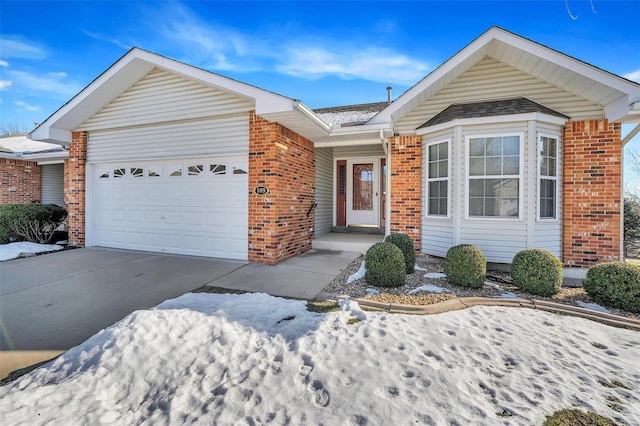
31, 171
507, 145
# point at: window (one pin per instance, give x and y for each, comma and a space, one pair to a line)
438, 179
548, 176
218, 169
195, 170
137, 172
494, 176
119, 173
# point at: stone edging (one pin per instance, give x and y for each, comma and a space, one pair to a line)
467, 302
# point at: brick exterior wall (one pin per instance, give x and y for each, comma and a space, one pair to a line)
19, 181
592, 193
74, 188
284, 162
406, 186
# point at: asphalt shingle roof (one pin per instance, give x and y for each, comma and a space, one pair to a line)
489, 109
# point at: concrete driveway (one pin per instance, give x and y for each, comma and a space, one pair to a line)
51, 303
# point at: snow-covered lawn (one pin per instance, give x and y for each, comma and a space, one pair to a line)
14, 250
255, 359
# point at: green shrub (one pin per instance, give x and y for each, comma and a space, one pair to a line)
465, 265
405, 244
30, 222
573, 417
615, 284
385, 265
537, 271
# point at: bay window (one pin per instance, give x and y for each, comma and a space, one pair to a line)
438, 179
548, 177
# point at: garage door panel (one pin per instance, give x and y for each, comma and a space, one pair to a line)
200, 210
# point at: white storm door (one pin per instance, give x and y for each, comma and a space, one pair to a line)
363, 194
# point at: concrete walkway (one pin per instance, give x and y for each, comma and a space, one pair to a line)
53, 302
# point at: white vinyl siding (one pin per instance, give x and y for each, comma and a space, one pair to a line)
220, 136
164, 97
358, 151
490, 79
52, 184
324, 191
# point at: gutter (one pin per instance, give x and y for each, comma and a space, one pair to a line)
311, 116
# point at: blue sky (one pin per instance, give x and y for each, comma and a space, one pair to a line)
324, 53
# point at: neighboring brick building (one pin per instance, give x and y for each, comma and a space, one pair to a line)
508, 145
30, 171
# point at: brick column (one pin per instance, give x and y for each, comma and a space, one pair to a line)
592, 193
74, 188
284, 162
19, 181
406, 184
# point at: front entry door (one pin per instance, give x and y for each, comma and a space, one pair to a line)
363, 196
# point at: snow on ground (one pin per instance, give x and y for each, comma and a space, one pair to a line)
253, 358
14, 250
593, 306
428, 287
360, 273
435, 275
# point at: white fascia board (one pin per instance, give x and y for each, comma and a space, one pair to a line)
608, 79
45, 133
131, 68
106, 87
410, 96
311, 116
365, 128
531, 116
358, 142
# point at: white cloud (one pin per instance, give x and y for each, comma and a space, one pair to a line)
13, 47
26, 106
635, 76
4, 84
108, 39
53, 82
4, 63
375, 64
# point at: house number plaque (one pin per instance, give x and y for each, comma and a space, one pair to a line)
261, 190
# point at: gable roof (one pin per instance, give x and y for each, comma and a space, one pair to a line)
490, 109
136, 63
619, 97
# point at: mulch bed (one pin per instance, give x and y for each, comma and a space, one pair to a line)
401, 295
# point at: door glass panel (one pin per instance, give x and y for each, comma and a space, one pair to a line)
363, 186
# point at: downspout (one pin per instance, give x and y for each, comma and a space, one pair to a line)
387, 222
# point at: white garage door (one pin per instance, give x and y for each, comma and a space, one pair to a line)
194, 206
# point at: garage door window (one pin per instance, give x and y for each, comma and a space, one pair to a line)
154, 171
174, 170
218, 169
137, 172
119, 173
195, 170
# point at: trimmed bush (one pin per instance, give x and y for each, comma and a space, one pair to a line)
405, 244
385, 265
573, 417
30, 222
615, 284
537, 271
465, 265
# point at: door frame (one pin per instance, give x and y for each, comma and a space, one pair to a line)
378, 161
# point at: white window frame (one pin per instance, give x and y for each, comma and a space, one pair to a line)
520, 176
555, 178
448, 179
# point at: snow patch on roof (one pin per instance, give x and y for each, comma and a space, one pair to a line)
350, 114
22, 144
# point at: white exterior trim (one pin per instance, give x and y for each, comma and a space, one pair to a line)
449, 178
538, 176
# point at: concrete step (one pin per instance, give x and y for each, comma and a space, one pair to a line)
358, 243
